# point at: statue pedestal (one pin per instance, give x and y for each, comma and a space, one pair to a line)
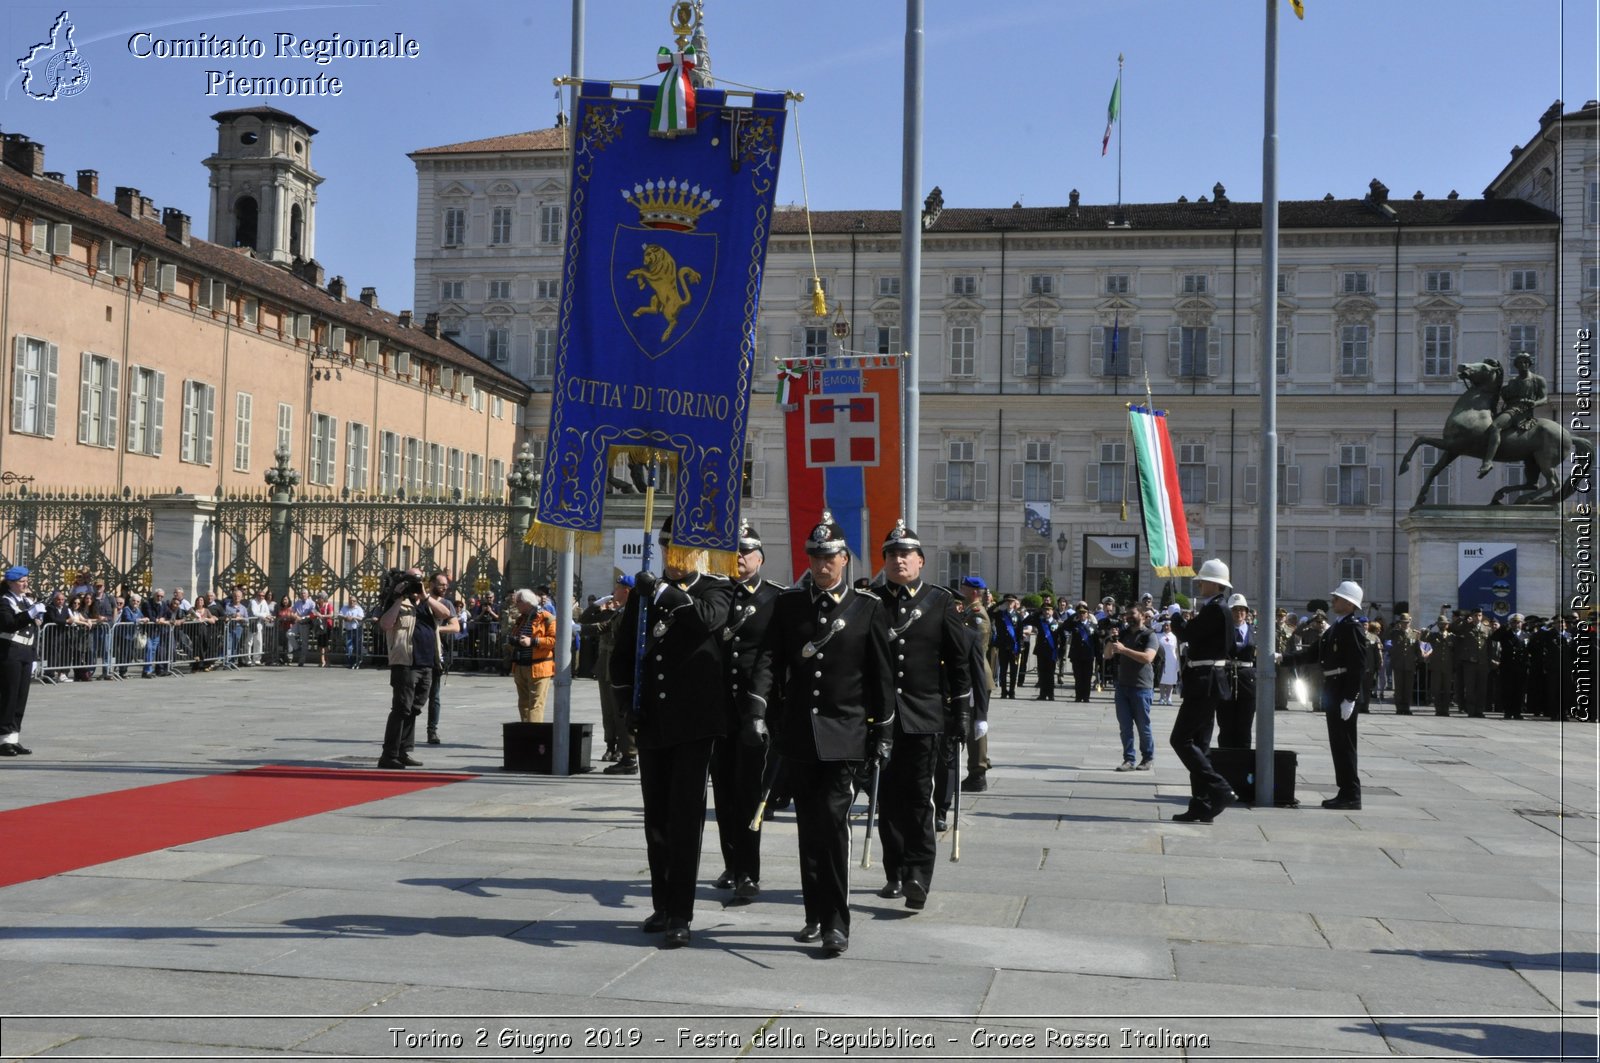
1437, 535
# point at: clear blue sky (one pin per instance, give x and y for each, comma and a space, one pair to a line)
1422, 95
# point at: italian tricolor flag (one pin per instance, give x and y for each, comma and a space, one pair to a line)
1165, 530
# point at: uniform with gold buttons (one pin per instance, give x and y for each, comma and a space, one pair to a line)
934, 697
738, 769
681, 710
823, 682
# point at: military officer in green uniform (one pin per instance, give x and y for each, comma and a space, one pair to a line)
1405, 650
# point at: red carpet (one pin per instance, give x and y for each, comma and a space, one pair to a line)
62, 836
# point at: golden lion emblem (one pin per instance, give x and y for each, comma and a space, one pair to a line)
668, 283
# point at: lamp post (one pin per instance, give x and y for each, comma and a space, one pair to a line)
1061, 555
283, 480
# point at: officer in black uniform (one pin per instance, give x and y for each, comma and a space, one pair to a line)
1008, 642
1342, 654
681, 709
737, 769
824, 676
930, 666
19, 634
1511, 667
1205, 686
1237, 714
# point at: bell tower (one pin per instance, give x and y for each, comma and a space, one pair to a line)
263, 189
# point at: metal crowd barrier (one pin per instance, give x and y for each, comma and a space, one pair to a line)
125, 649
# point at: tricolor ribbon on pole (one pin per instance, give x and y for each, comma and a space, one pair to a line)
788, 373
1166, 531
674, 112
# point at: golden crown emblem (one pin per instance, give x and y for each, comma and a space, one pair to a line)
670, 205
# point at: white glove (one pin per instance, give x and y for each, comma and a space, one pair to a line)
980, 728
1345, 709
37, 611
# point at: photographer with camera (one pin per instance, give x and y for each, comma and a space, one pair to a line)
410, 621
1131, 649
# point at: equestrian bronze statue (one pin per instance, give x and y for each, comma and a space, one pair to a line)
1494, 422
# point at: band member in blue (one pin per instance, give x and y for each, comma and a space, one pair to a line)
681, 710
1046, 650
823, 683
738, 770
930, 670
1008, 640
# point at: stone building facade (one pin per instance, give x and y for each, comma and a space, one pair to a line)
1380, 298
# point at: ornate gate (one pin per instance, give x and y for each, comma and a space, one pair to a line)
59, 534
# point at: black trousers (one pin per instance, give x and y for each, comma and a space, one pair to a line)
1008, 673
1191, 740
823, 792
1082, 677
1046, 667
673, 782
15, 682
1342, 747
409, 695
736, 777
905, 809
1235, 719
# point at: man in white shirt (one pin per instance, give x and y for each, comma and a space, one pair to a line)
261, 614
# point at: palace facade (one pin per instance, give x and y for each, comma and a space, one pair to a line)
1380, 297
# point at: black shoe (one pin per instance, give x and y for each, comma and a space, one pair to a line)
834, 942
1221, 799
22, 750
747, 888
409, 761
892, 891
724, 881
433, 738
808, 933
940, 823
677, 934
391, 763
625, 766
916, 895
9, 749
976, 783
1344, 804
1194, 815
655, 924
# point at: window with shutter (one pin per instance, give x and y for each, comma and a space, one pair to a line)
1251, 491
158, 416
243, 414
87, 400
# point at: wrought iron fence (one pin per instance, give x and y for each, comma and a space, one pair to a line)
61, 535
343, 546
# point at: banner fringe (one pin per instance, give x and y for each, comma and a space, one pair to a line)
550, 537
720, 562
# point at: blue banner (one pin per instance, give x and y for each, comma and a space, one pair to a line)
666, 241
1487, 578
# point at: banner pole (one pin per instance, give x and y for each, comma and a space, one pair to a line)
561, 694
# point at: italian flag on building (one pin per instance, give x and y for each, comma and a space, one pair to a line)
1166, 531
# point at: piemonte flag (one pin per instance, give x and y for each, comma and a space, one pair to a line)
842, 435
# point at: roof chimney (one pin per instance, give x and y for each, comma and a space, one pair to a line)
22, 154
932, 207
1378, 192
89, 182
55, 175
310, 271
1219, 193
1072, 199
336, 289
369, 297
405, 319
147, 209
430, 325
176, 222
128, 200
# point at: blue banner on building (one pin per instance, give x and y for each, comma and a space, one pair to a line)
666, 241
1487, 578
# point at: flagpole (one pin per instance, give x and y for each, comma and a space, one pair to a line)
911, 263
1119, 133
1267, 579
561, 693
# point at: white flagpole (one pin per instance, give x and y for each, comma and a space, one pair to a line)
1267, 578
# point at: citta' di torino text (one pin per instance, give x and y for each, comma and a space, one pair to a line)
320, 50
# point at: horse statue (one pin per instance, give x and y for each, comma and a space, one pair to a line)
1541, 445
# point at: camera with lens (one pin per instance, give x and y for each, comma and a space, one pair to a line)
397, 584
